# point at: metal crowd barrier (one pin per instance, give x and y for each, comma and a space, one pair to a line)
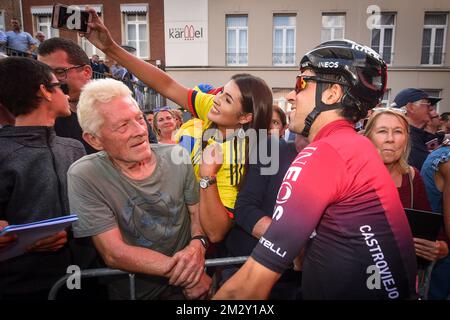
147, 98
103, 272
17, 53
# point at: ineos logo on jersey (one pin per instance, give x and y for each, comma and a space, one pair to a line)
284, 193
329, 64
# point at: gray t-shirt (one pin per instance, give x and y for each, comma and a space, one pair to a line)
149, 213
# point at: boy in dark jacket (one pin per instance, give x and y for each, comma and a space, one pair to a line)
33, 183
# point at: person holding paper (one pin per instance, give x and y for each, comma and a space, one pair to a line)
33, 167
7, 239
138, 203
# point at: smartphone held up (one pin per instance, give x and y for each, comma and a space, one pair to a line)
71, 18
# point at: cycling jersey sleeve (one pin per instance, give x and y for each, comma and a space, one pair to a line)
314, 180
200, 103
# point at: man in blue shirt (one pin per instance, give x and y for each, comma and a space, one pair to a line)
2, 41
19, 40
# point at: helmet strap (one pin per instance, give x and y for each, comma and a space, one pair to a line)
319, 108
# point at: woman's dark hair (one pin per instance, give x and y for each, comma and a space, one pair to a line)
256, 99
20, 79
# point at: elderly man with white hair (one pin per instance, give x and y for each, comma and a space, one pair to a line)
138, 203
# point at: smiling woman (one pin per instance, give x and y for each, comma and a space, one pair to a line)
165, 125
244, 103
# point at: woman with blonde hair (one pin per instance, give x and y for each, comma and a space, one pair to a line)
165, 126
388, 130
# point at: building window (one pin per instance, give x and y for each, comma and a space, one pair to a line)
237, 40
136, 33
283, 40
42, 21
136, 29
88, 47
44, 24
383, 37
434, 93
2, 20
385, 101
433, 40
333, 26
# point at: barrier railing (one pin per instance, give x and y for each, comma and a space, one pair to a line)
103, 272
17, 53
147, 98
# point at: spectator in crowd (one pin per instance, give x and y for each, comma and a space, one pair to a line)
434, 136
98, 66
165, 126
33, 168
288, 135
178, 117
435, 122
3, 41
244, 103
417, 104
18, 40
40, 37
436, 175
337, 195
388, 130
137, 204
103, 66
150, 116
118, 72
72, 67
445, 118
279, 122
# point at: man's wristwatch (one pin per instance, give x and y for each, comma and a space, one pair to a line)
205, 182
203, 239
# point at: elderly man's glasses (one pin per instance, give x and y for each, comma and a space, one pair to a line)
302, 82
61, 73
423, 103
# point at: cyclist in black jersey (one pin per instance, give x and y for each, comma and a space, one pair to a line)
337, 199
